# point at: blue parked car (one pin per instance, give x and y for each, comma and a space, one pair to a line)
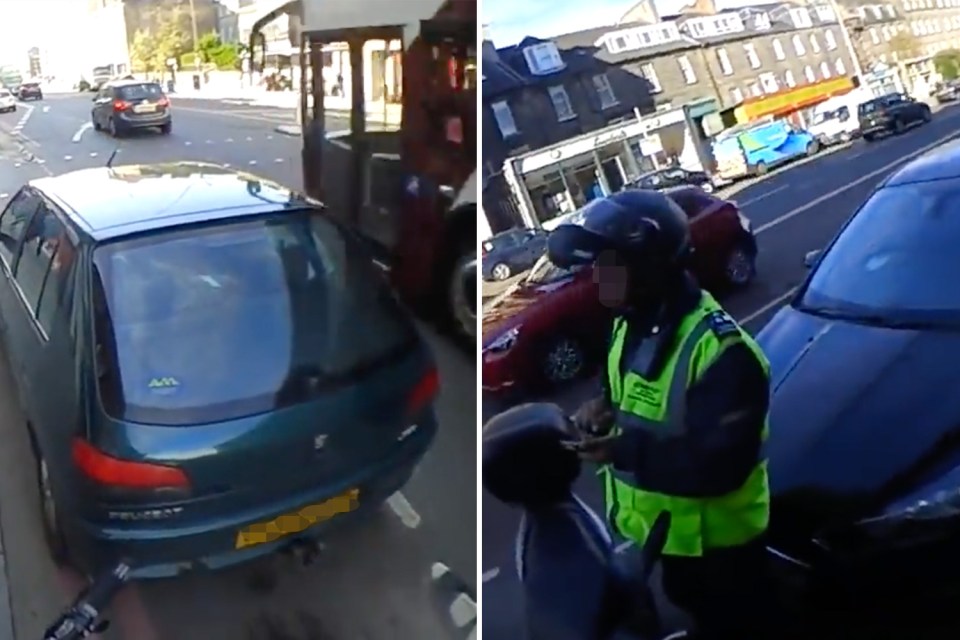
512, 252
211, 368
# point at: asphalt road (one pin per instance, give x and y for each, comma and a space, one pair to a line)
795, 210
374, 579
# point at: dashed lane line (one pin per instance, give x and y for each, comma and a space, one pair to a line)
28, 111
86, 126
402, 508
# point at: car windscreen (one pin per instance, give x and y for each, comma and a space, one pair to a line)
145, 91
895, 258
870, 107
215, 323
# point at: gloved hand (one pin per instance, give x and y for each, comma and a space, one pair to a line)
594, 418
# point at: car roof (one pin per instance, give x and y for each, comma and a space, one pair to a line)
107, 203
940, 163
127, 83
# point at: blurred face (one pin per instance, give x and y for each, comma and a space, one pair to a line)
611, 277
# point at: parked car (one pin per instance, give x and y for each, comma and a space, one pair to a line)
550, 330
30, 91
892, 113
864, 462
672, 177
512, 252
209, 375
947, 92
8, 103
123, 106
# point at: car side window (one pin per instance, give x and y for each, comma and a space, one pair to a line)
674, 174
13, 224
56, 295
843, 114
36, 256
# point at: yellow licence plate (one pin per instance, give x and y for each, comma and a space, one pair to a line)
284, 525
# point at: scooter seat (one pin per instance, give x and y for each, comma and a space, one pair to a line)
565, 564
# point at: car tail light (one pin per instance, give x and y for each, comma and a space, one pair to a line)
424, 392
125, 474
120, 105
164, 102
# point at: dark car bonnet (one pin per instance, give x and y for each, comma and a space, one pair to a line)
859, 414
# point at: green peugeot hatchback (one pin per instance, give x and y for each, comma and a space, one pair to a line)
211, 368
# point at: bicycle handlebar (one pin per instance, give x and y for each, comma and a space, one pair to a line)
82, 619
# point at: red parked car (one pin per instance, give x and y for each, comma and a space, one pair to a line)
552, 329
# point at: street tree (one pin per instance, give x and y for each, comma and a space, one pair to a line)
142, 52
947, 64
169, 36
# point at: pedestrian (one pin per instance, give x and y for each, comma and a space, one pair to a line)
682, 414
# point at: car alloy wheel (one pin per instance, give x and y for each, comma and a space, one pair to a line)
740, 267
500, 271
463, 295
564, 360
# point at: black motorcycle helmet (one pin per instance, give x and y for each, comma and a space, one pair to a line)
524, 461
644, 230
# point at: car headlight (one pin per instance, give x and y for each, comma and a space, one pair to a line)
504, 342
745, 223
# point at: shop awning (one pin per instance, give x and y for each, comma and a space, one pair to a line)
785, 102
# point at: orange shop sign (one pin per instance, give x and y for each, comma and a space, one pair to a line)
784, 102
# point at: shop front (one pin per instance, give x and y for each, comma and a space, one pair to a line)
552, 182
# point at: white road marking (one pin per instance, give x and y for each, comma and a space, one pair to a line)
40, 161
4, 195
249, 139
269, 137
832, 194
463, 610
753, 315
17, 165
187, 143
226, 164
252, 162
83, 129
229, 140
68, 157
209, 141
399, 504
93, 154
490, 574
23, 119
762, 196
46, 108
278, 160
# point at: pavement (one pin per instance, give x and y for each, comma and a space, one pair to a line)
795, 210
374, 580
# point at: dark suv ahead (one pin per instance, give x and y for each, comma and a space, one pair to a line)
30, 91
124, 105
891, 113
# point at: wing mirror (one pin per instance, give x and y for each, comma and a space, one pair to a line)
811, 258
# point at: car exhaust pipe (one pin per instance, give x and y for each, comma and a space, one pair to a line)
304, 550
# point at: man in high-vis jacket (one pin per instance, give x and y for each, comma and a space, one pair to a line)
680, 422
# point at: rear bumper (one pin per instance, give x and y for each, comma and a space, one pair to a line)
166, 551
128, 123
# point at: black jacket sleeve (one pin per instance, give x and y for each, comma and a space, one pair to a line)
726, 411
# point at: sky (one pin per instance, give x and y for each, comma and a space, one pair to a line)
31, 23
511, 20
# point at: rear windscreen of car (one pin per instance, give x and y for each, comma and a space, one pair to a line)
870, 107
221, 322
146, 91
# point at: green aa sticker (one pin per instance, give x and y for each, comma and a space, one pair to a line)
163, 383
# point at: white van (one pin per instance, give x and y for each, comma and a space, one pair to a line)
835, 120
